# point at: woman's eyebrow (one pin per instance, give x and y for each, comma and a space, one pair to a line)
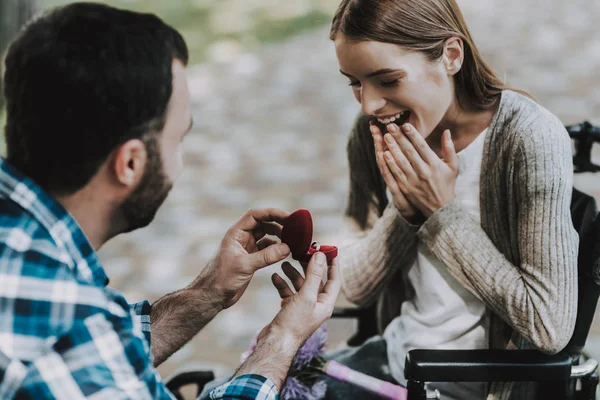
382, 71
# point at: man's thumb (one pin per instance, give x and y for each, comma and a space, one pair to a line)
314, 276
269, 255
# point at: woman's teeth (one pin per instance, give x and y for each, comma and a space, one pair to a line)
393, 118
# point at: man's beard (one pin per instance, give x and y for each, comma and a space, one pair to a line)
139, 209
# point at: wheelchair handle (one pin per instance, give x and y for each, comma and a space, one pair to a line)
584, 130
585, 369
585, 135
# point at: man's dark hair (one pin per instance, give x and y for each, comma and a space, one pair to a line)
81, 80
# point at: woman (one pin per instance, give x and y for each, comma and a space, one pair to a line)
476, 248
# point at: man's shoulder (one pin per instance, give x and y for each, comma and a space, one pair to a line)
39, 276
22, 236
41, 269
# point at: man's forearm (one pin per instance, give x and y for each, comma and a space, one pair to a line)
272, 357
177, 317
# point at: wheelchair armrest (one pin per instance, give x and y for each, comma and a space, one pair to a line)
348, 312
367, 323
486, 366
181, 379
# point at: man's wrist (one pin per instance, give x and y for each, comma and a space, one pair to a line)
275, 350
179, 316
286, 341
205, 288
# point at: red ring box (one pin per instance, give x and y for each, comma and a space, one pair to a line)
297, 233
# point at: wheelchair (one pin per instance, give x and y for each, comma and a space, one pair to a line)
569, 375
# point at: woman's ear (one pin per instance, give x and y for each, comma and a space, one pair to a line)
453, 55
129, 163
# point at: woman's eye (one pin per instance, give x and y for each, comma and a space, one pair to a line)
354, 84
389, 83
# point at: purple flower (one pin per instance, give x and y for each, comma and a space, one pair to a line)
313, 347
302, 382
294, 389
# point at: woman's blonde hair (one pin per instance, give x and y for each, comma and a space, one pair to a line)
423, 26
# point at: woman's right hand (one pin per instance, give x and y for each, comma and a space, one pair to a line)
406, 209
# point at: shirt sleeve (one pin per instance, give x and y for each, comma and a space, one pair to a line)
140, 313
246, 387
104, 356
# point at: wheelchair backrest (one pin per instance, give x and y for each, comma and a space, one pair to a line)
584, 214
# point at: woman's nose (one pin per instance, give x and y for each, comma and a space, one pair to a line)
371, 101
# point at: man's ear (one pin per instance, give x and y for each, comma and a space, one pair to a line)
129, 163
453, 55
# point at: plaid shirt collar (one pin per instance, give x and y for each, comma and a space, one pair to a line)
77, 251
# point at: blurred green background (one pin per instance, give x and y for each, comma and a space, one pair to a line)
218, 29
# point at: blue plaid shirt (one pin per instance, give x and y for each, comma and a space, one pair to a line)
63, 333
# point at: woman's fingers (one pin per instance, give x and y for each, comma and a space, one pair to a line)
419, 144
397, 142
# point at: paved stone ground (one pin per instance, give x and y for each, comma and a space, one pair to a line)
270, 130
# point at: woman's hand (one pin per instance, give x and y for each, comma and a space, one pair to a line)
406, 209
423, 178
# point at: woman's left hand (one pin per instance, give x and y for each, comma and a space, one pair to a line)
426, 180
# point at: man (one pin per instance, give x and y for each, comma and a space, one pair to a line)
97, 107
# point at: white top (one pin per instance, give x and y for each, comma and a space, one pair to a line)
442, 314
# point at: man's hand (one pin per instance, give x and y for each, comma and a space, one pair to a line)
312, 303
177, 317
244, 250
301, 314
